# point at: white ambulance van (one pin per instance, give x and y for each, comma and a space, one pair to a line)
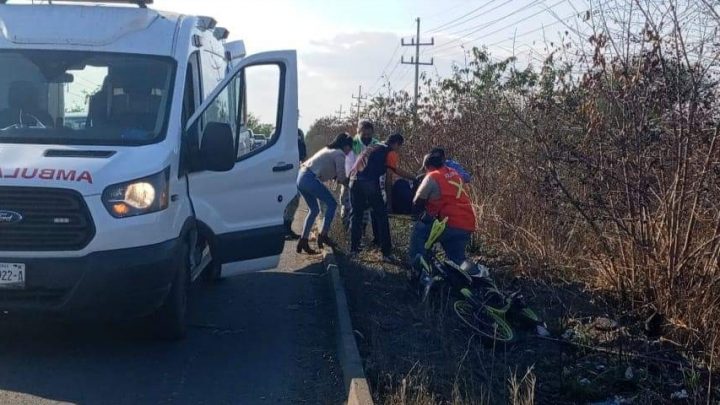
127, 165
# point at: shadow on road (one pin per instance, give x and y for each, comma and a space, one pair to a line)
258, 338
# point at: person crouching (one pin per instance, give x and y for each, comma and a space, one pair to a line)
325, 165
442, 194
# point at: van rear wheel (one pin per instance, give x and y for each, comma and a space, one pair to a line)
213, 272
170, 321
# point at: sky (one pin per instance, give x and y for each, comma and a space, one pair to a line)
343, 44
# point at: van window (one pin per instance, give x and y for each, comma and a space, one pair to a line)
261, 108
89, 98
223, 109
192, 89
189, 97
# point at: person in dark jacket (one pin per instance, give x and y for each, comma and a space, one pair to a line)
365, 192
402, 197
295, 202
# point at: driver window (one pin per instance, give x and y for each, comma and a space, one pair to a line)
260, 107
224, 108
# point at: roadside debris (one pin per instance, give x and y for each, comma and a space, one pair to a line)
605, 324
679, 395
542, 331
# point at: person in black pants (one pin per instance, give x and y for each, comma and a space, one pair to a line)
365, 191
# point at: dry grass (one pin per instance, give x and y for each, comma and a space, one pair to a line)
597, 179
522, 389
609, 176
415, 354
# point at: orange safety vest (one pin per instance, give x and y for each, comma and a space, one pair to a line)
454, 202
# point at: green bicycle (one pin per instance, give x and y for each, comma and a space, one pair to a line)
481, 305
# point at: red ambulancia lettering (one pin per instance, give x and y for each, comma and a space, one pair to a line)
14, 174
65, 176
26, 174
46, 174
85, 176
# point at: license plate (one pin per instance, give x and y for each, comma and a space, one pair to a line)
12, 275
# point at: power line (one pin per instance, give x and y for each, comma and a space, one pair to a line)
445, 12
526, 33
559, 20
389, 76
456, 22
382, 74
518, 22
466, 29
476, 29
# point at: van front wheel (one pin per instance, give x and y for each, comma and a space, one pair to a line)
171, 319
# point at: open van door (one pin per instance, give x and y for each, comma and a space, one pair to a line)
241, 195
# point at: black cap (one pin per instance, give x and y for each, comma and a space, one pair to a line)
438, 152
395, 139
433, 161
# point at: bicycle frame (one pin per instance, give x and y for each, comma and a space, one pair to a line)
432, 269
493, 305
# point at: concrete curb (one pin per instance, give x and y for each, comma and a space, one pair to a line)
356, 385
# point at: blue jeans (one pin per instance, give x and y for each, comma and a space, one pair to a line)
453, 240
313, 191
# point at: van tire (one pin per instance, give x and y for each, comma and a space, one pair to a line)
213, 273
170, 320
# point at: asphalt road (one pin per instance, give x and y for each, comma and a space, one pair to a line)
262, 338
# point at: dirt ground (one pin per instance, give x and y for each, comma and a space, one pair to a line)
422, 354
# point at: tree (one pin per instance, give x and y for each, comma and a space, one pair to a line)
254, 124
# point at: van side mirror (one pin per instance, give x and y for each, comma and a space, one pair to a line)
217, 148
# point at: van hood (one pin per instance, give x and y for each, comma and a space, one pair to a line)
88, 170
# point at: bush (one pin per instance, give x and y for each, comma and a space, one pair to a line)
606, 162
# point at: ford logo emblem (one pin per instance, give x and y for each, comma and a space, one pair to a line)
9, 217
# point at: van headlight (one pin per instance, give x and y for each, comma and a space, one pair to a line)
138, 197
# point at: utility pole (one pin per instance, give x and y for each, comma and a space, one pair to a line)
360, 98
340, 112
416, 60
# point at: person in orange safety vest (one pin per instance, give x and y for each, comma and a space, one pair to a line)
442, 194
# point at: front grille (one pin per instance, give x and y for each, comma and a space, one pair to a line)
52, 220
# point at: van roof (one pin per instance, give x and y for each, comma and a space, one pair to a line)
82, 27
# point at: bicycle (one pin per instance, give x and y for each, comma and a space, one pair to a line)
481, 305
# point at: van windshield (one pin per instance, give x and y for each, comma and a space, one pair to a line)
87, 98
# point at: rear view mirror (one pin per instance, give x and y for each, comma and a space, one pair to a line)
217, 148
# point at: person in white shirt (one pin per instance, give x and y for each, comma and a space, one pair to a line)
327, 164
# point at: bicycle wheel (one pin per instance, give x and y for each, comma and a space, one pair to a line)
483, 321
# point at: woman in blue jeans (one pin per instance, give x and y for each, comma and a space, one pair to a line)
326, 165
